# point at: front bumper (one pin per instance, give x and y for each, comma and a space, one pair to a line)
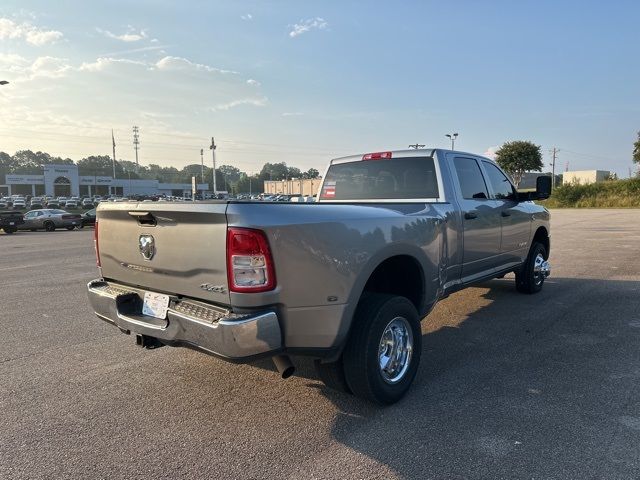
189, 323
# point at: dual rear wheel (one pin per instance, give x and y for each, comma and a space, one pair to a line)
382, 354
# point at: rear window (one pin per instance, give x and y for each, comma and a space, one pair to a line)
395, 178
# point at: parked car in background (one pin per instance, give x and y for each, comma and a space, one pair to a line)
19, 204
36, 203
71, 204
89, 218
10, 221
87, 203
49, 219
53, 203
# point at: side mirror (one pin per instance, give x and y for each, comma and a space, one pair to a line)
543, 190
543, 187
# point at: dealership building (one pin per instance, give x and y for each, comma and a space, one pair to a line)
64, 181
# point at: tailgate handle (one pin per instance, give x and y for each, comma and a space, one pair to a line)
144, 218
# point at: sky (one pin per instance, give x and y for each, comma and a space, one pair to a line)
303, 82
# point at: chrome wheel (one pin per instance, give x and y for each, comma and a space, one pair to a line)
395, 350
541, 269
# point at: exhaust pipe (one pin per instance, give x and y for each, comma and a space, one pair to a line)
284, 365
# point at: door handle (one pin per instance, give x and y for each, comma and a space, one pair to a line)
505, 213
470, 216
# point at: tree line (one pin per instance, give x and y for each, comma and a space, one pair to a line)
228, 177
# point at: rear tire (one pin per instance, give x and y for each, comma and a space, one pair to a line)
382, 354
49, 226
527, 280
10, 230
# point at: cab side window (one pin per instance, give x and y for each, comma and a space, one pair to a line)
471, 180
500, 184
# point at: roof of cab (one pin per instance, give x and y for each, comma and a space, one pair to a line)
421, 152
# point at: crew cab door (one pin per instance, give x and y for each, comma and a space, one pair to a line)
480, 219
516, 221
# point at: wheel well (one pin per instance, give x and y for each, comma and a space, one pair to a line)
399, 275
542, 237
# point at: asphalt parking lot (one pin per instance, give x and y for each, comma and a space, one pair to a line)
510, 386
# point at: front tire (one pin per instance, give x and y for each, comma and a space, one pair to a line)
529, 278
49, 226
383, 352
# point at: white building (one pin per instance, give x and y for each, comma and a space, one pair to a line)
63, 180
584, 177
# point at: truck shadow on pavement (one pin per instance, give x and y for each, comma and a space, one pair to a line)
542, 385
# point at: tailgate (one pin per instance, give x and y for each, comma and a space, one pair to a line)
177, 248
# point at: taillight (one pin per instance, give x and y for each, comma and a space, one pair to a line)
95, 244
376, 156
249, 261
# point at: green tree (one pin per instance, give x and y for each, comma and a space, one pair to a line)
101, 165
293, 172
274, 171
518, 157
636, 151
311, 173
5, 165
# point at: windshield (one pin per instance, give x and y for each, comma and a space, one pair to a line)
395, 178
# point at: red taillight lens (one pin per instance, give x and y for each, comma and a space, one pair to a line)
249, 261
377, 156
95, 244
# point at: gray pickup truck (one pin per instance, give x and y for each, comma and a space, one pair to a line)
345, 280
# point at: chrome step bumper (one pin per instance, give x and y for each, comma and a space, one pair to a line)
189, 323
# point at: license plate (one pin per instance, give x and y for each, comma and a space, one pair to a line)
73, 223
11, 223
155, 305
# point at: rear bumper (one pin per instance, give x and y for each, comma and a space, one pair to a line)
189, 323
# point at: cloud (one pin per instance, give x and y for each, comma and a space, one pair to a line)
306, 25
253, 82
13, 63
33, 35
292, 114
130, 36
50, 67
180, 63
248, 16
491, 151
148, 48
256, 102
41, 67
103, 63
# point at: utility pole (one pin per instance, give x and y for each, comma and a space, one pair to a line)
213, 147
554, 153
113, 141
416, 146
136, 142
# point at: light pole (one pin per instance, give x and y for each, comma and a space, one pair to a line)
212, 147
453, 137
